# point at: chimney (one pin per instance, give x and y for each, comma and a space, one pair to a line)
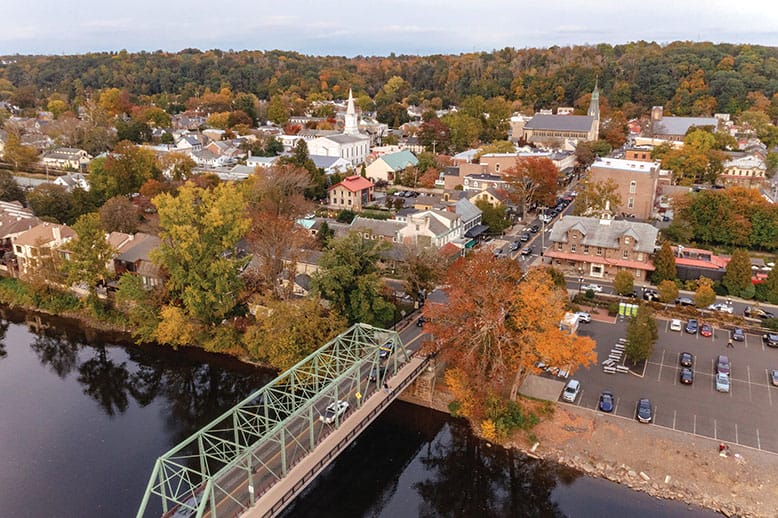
656, 113
56, 232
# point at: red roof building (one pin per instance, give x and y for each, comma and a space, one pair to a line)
353, 193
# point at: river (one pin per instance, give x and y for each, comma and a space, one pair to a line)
82, 422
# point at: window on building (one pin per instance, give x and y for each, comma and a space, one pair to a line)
586, 249
631, 203
626, 240
599, 250
572, 247
633, 185
496, 168
559, 246
625, 254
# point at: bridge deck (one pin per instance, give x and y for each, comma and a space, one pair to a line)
275, 499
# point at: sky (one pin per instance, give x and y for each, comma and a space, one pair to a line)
371, 27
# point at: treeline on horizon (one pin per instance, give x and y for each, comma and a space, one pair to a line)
687, 78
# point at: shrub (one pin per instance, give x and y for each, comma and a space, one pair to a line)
613, 309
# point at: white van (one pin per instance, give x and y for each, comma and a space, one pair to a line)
571, 391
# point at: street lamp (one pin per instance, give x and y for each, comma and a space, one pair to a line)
580, 279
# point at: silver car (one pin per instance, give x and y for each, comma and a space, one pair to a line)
722, 382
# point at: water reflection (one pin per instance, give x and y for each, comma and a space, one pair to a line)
57, 353
3, 330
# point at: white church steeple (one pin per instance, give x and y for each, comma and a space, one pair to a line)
351, 127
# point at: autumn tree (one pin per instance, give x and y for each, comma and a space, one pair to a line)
122, 172
118, 214
704, 296
291, 330
737, 279
768, 290
51, 202
176, 166
533, 180
667, 290
89, 253
664, 264
642, 334
494, 327
276, 199
18, 154
421, 269
594, 197
200, 229
277, 111
584, 156
624, 283
348, 277
140, 305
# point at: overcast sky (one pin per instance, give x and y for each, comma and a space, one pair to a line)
369, 27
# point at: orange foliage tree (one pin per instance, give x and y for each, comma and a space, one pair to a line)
495, 327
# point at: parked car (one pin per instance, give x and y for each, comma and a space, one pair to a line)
528, 250
687, 376
738, 335
644, 412
722, 365
774, 377
686, 359
691, 326
706, 330
534, 229
545, 218
421, 321
650, 295
675, 325
594, 287
755, 312
515, 246
583, 316
498, 252
571, 391
333, 411
770, 340
524, 237
721, 307
684, 301
722, 382
606, 402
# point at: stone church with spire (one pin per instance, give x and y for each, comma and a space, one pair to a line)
351, 145
563, 130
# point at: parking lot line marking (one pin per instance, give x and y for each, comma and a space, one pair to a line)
674, 412
715, 431
661, 363
769, 393
736, 435
758, 442
695, 424
580, 399
748, 371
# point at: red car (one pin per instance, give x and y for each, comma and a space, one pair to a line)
706, 330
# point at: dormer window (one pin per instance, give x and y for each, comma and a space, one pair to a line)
626, 240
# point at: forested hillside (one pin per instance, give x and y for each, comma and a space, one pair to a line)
687, 78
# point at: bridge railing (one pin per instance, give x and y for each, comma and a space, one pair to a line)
284, 500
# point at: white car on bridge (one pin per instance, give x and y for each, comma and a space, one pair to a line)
333, 411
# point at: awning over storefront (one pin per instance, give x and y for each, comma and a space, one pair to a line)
476, 230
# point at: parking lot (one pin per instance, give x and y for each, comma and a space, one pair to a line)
745, 416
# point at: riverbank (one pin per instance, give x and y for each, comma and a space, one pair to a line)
663, 463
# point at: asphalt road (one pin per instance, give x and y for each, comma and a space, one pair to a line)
745, 416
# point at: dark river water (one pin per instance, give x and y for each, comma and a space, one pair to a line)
82, 422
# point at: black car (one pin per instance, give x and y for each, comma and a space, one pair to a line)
643, 412
770, 340
686, 359
691, 326
606, 403
524, 237
534, 229
738, 335
375, 371
421, 321
754, 312
650, 295
514, 246
687, 376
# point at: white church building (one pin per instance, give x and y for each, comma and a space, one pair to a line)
351, 145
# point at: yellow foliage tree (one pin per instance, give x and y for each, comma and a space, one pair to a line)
176, 328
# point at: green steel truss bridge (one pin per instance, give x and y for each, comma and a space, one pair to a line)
223, 469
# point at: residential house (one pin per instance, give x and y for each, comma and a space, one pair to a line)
35, 246
14, 220
66, 158
639, 153
636, 183
431, 228
602, 247
492, 196
480, 182
188, 121
72, 181
331, 164
373, 229
261, 161
134, 256
188, 142
412, 144
386, 167
352, 193
469, 214
745, 171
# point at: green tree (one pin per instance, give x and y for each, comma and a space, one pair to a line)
291, 330
494, 217
122, 172
738, 276
277, 110
51, 202
769, 288
624, 283
664, 264
642, 334
421, 269
667, 290
9, 189
348, 277
200, 229
140, 305
89, 253
463, 130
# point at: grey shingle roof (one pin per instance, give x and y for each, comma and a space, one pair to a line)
466, 210
346, 139
606, 236
561, 122
680, 125
376, 226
